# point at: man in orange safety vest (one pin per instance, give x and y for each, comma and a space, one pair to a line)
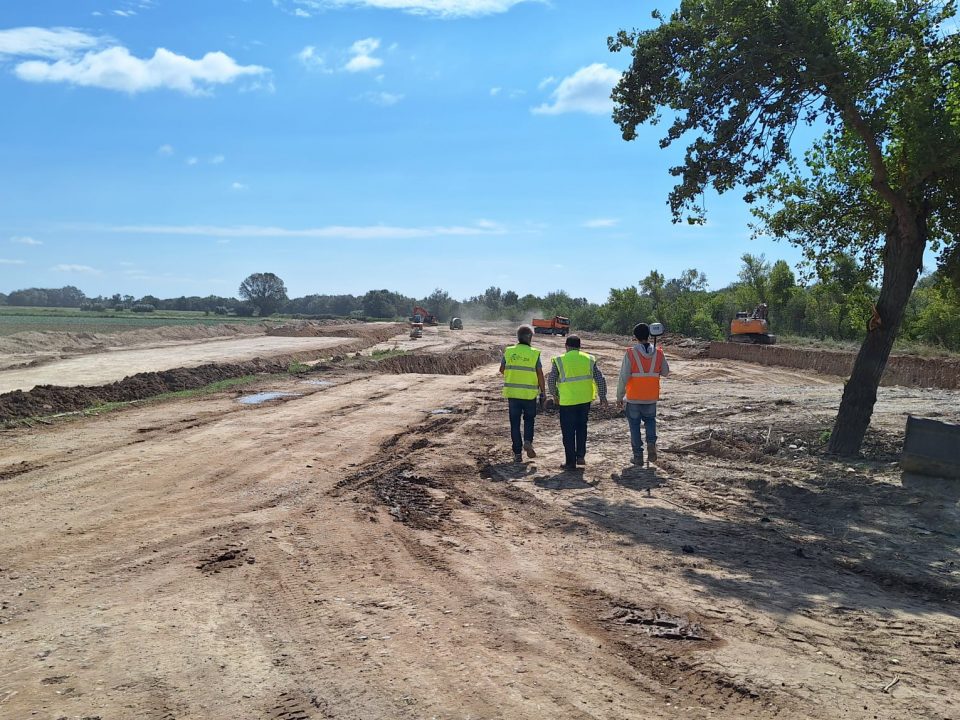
639, 384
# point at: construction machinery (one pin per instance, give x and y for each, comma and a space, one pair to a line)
556, 325
752, 327
426, 317
456, 324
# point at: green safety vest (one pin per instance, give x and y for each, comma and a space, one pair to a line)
520, 372
575, 383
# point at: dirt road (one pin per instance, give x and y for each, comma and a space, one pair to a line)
365, 550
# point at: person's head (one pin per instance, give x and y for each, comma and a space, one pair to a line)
573, 342
642, 332
524, 334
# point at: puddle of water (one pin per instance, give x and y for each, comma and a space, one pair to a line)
321, 383
263, 397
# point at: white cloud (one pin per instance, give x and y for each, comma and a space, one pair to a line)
115, 68
439, 8
5, 261
81, 269
125, 13
495, 91
217, 160
348, 232
53, 43
363, 60
383, 98
192, 160
300, 12
23, 240
587, 90
165, 150
601, 223
546, 82
309, 58
239, 186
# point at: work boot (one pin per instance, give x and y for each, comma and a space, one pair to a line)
518, 457
581, 461
637, 459
652, 452
531, 453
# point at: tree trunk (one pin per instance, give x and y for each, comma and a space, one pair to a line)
903, 256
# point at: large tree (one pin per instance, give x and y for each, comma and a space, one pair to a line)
880, 79
265, 291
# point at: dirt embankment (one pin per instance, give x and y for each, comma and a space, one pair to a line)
901, 370
54, 399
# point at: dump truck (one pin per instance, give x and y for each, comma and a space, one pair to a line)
752, 327
556, 325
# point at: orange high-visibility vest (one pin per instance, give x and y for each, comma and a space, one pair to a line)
643, 384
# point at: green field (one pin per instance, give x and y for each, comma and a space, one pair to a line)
30, 319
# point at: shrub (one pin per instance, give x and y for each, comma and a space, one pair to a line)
143, 308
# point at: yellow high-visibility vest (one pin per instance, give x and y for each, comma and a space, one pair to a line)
575, 383
520, 372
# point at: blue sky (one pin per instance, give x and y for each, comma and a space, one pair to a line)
171, 148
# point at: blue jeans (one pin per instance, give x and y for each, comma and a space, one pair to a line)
527, 409
645, 413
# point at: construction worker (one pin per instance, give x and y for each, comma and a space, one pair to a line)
575, 381
522, 383
643, 366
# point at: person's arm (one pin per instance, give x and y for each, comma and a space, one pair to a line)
552, 381
664, 367
503, 364
601, 383
622, 380
541, 381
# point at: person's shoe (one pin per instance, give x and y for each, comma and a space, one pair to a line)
518, 457
581, 461
565, 466
652, 452
637, 459
531, 453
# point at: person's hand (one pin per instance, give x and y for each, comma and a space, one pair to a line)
603, 402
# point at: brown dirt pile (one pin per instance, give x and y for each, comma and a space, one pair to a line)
455, 363
902, 370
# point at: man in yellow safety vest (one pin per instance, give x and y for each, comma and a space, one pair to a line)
522, 382
575, 381
643, 366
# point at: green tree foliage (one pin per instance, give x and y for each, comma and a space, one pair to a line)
883, 81
265, 291
381, 304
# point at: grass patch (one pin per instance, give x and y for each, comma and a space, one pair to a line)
210, 389
385, 354
298, 368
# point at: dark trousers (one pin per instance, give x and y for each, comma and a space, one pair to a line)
527, 409
573, 426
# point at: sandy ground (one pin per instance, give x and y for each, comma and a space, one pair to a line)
106, 367
367, 550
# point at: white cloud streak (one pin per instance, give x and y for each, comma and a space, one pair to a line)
437, 8
24, 240
5, 261
53, 43
601, 223
587, 91
80, 269
334, 232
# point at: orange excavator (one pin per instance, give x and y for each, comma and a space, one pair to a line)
752, 328
428, 318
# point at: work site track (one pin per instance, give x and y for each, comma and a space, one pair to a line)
47, 400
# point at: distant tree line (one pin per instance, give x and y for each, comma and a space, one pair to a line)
834, 304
